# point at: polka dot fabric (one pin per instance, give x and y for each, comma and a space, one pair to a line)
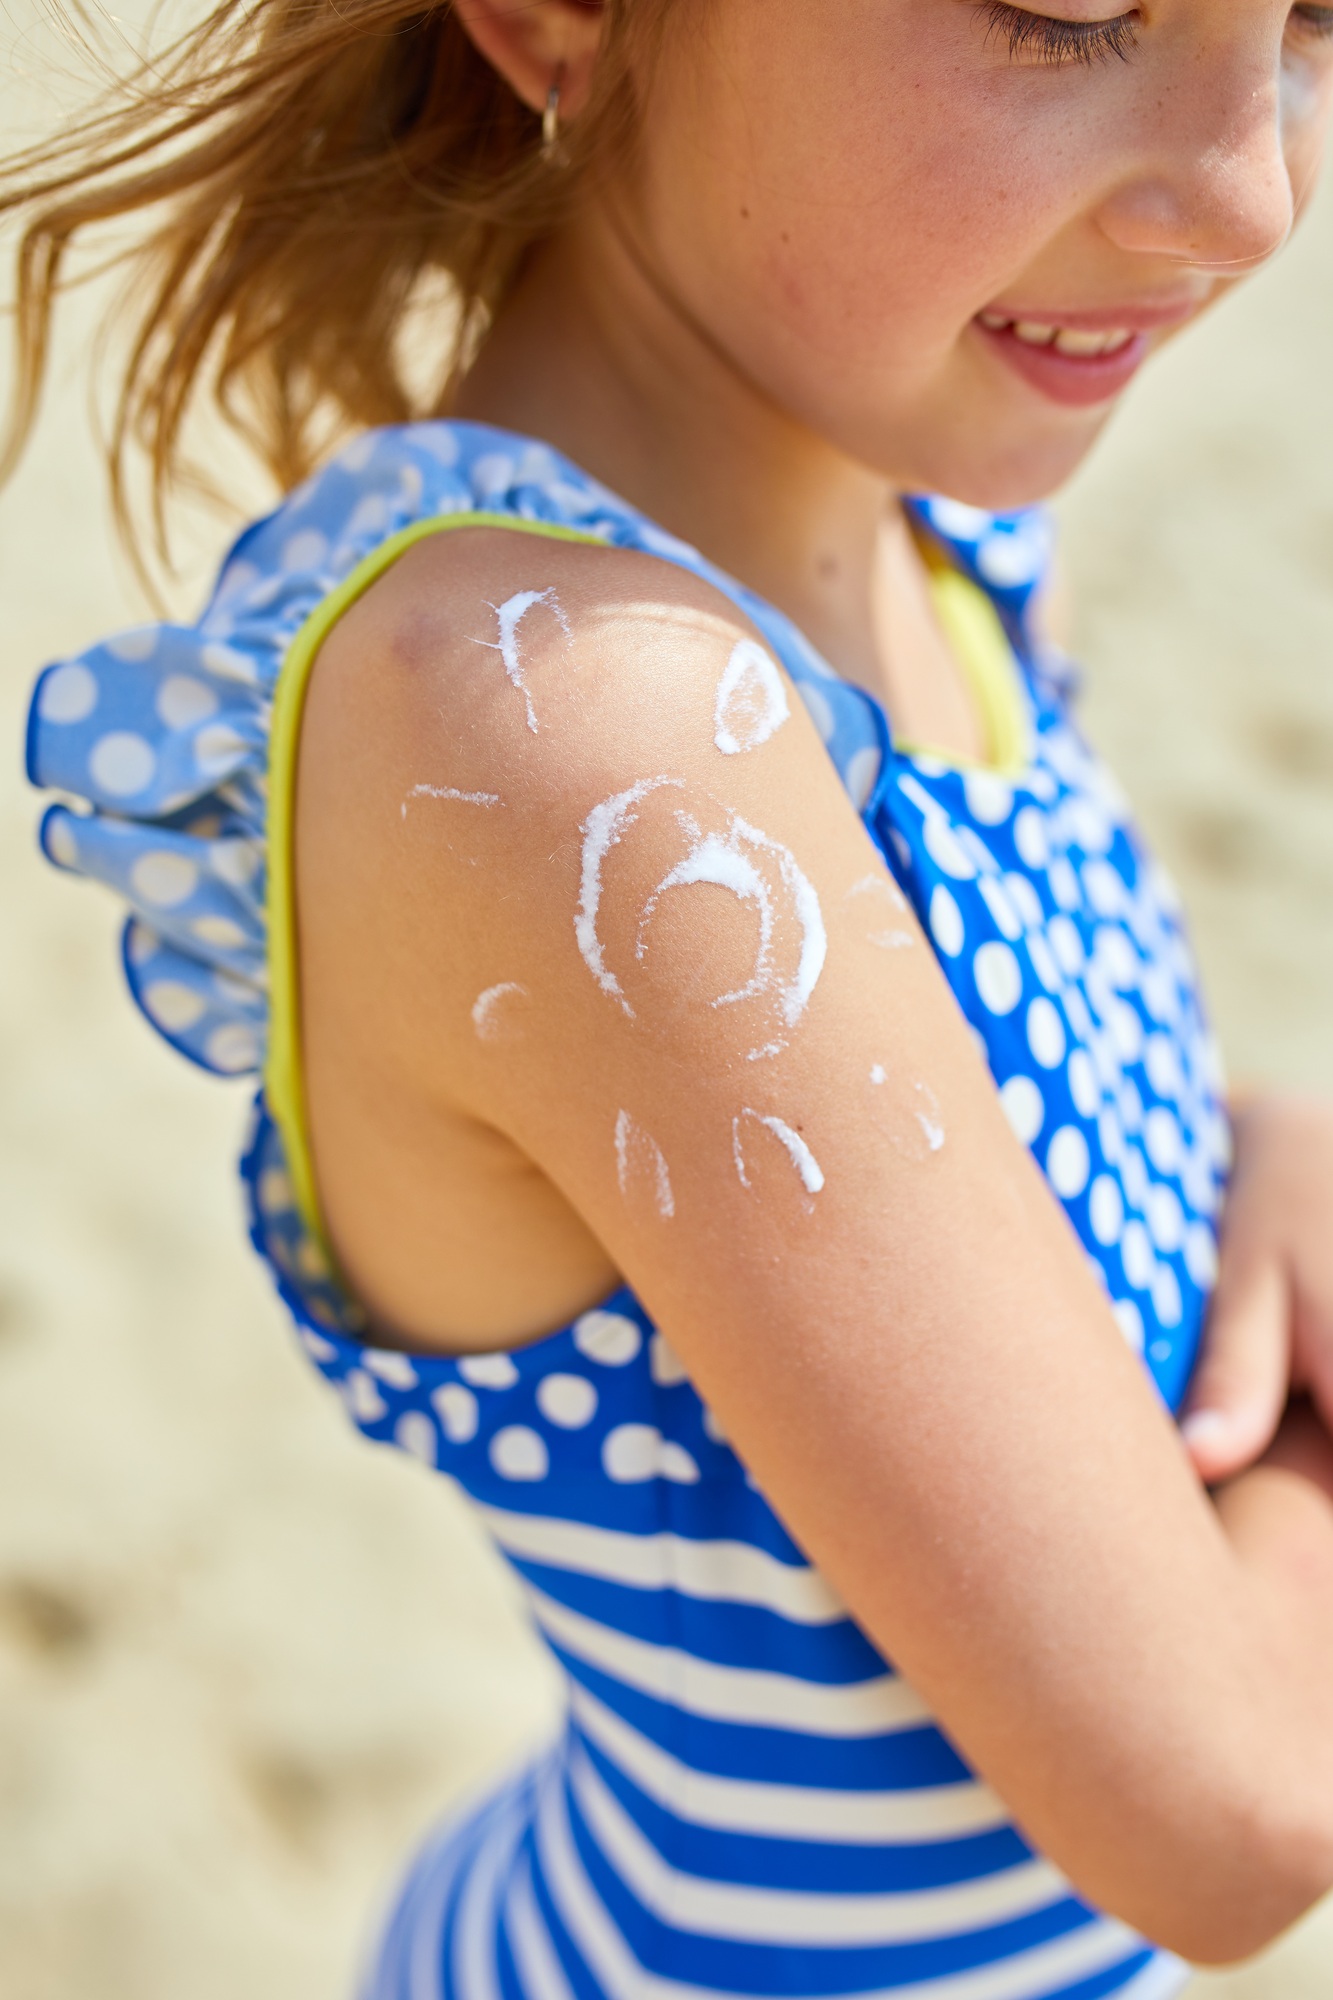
744, 1798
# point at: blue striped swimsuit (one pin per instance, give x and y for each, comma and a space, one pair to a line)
744, 1798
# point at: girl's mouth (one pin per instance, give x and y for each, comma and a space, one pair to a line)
1077, 365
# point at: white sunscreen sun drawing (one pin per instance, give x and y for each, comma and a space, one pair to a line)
489, 1008
751, 700
804, 1161
882, 891
923, 1111
511, 615
760, 872
639, 1159
451, 792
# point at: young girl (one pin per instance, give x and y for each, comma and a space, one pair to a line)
735, 1095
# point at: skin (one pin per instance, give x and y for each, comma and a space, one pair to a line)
761, 338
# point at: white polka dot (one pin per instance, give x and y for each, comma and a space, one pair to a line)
632, 1453
821, 711
519, 1453
946, 850
415, 1434
363, 1399
1066, 943
61, 841
1166, 1302
1106, 891
233, 1048
1130, 1106
1043, 962
1023, 1107
1134, 1174
316, 1346
1163, 1140
1166, 1218
122, 764
946, 921
1083, 1087
221, 932
675, 1463
164, 878
173, 1005
275, 1191
1201, 1255
395, 1369
607, 1337
957, 520
1030, 837
861, 775
1163, 1065
999, 979
1046, 1033
1067, 1162
989, 799
1024, 899
229, 664
1106, 1210
1007, 560
68, 694
183, 702
995, 895
235, 862
712, 1428
570, 1401
1117, 954
137, 645
312, 1263
1064, 883
305, 550
1136, 1255
217, 747
456, 1408
492, 474
1130, 1321
357, 455
667, 1367
488, 1371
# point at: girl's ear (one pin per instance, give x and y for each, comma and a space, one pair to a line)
536, 45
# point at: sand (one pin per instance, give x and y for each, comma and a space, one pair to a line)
244, 1658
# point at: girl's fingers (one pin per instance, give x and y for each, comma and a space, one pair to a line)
1240, 1386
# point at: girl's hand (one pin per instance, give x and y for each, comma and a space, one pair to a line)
1270, 1329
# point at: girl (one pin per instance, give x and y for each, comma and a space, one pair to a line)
735, 1095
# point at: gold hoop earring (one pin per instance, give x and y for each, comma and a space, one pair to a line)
552, 152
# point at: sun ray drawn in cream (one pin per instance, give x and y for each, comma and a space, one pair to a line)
891, 937
751, 700
486, 1007
804, 1161
638, 1153
511, 615
603, 827
451, 792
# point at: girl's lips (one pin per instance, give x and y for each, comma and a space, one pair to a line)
1077, 380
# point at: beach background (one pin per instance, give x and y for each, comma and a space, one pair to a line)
245, 1659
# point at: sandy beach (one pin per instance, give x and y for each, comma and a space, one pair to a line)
244, 1658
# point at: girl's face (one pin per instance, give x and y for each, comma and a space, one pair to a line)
913, 223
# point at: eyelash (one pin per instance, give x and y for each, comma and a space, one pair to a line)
1053, 41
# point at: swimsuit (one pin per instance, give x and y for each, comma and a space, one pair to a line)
744, 1797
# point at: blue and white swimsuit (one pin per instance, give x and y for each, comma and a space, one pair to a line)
744, 1799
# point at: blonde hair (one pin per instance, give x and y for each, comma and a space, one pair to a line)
309, 170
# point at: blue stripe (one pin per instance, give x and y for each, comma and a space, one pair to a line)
774, 1861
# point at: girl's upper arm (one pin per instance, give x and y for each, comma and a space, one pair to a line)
620, 908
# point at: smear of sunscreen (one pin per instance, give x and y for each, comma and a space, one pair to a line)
601, 830
486, 1007
804, 1161
731, 860
450, 792
891, 937
751, 700
511, 615
929, 1117
638, 1153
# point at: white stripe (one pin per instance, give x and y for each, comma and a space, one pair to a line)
792, 1812
802, 1917
539, 1969
713, 1571
743, 1695
1161, 1980
475, 1970
1021, 1977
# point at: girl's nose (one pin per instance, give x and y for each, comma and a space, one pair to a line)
1216, 192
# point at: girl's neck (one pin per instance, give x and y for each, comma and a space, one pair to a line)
590, 355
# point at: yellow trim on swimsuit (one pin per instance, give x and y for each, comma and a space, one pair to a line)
966, 614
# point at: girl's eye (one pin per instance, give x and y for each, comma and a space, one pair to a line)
1314, 20
1048, 40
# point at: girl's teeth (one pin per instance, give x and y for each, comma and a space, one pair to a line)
1065, 339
